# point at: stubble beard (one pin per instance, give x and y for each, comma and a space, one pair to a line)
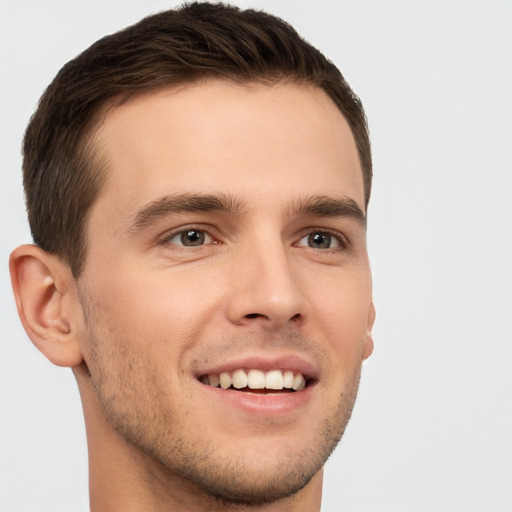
131, 400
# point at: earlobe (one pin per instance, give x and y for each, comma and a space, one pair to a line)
368, 343
41, 285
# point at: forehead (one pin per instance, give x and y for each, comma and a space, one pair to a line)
252, 139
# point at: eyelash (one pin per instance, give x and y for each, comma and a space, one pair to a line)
338, 237
166, 239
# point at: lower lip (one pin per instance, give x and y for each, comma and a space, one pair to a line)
272, 404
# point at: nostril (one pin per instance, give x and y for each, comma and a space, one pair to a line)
295, 318
255, 315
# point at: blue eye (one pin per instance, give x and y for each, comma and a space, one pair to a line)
190, 238
320, 240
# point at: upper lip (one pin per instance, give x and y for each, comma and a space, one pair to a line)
289, 362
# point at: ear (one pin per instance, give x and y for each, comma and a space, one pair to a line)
46, 298
368, 342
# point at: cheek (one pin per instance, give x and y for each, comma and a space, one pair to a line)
129, 353
161, 310
342, 317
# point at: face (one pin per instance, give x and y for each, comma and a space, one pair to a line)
228, 243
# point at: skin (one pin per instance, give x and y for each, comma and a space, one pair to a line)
149, 316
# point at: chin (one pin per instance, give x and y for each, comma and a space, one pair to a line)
242, 483
257, 477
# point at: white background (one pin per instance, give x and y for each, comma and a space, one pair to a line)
432, 429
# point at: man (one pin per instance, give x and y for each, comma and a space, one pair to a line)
197, 187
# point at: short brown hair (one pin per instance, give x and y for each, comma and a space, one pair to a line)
193, 42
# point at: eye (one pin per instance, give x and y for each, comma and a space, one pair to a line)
190, 238
320, 240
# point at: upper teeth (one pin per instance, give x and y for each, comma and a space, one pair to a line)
256, 379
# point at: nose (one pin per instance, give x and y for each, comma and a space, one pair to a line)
267, 290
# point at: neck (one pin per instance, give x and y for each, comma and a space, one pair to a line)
124, 479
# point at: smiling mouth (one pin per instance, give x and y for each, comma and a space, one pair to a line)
255, 380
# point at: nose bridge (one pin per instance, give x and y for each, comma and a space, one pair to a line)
268, 288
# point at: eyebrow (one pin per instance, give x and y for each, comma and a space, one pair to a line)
314, 206
326, 206
176, 204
